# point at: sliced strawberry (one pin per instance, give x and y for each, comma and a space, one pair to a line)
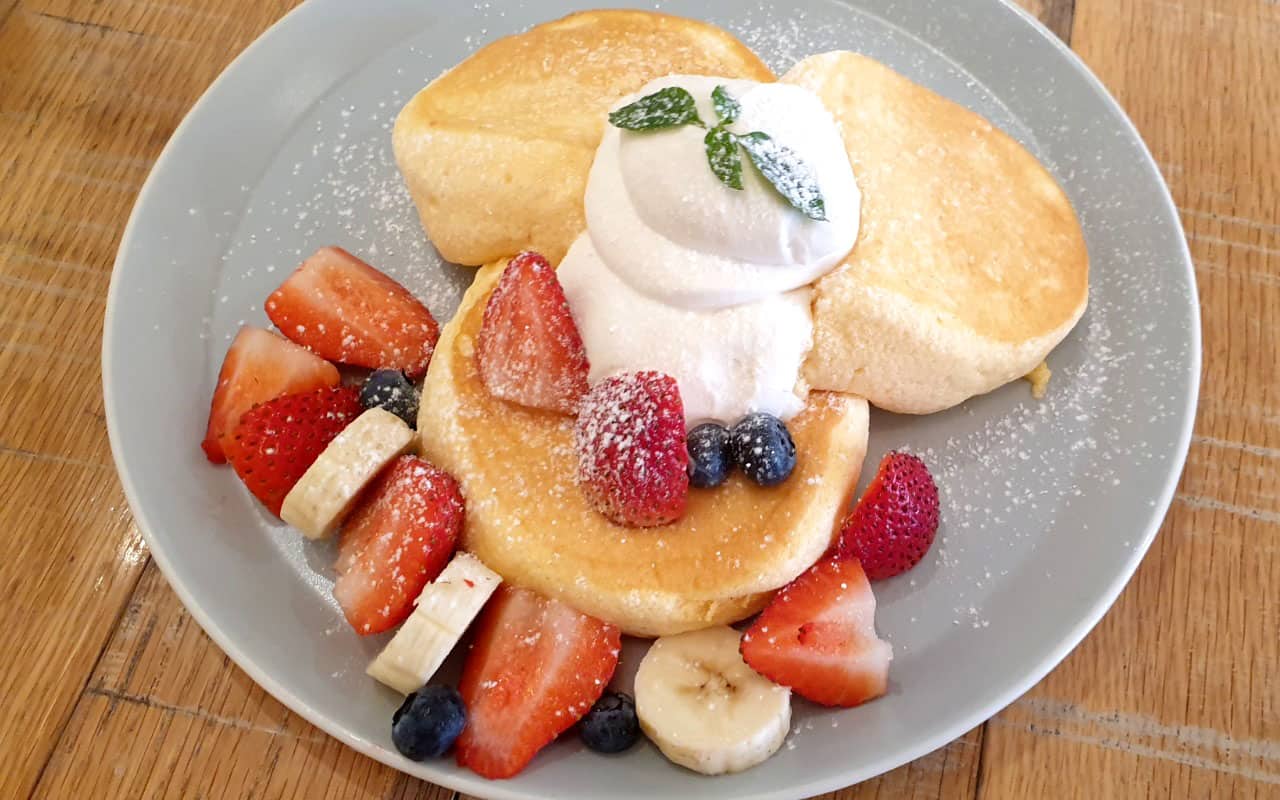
894, 523
818, 636
258, 367
396, 542
345, 310
534, 669
276, 441
529, 350
630, 440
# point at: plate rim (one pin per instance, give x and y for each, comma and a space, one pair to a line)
838, 778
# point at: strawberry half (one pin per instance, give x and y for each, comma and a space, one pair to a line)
259, 366
630, 440
818, 636
345, 310
277, 441
396, 542
529, 350
534, 669
894, 523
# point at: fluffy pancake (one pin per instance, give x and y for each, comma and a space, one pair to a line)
496, 151
970, 264
528, 521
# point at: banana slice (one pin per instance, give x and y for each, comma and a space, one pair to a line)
442, 613
321, 499
705, 708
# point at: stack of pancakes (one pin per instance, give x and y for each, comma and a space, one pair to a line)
969, 268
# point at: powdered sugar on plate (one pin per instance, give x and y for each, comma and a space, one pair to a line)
1021, 480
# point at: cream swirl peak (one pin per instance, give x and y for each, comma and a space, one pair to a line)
680, 273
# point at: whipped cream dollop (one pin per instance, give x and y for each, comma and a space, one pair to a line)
681, 274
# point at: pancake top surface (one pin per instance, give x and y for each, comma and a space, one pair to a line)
957, 216
557, 80
529, 521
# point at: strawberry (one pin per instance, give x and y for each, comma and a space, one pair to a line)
277, 440
258, 367
345, 310
529, 350
535, 667
396, 542
818, 636
894, 523
630, 440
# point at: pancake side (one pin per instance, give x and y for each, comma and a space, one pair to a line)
496, 151
970, 264
528, 521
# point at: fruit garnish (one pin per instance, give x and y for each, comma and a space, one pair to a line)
893, 525
709, 457
704, 707
331, 486
428, 722
391, 390
611, 725
396, 542
341, 308
630, 440
534, 669
443, 610
761, 445
259, 366
817, 635
529, 350
275, 442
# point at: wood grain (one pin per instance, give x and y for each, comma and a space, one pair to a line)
89, 93
166, 714
1176, 693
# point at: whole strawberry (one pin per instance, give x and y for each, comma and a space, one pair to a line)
630, 440
276, 441
894, 523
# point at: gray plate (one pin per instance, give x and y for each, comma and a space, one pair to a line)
1048, 507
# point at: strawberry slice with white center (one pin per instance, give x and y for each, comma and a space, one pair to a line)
818, 637
529, 350
345, 310
259, 366
396, 542
535, 668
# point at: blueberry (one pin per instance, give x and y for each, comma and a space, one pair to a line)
391, 390
428, 722
611, 725
709, 460
762, 446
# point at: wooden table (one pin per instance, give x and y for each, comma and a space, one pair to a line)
109, 690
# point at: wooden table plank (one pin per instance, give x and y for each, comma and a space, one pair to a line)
1174, 694
166, 714
84, 110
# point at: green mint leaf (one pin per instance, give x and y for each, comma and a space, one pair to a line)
723, 156
789, 175
726, 107
666, 108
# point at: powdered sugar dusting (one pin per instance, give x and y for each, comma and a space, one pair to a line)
1041, 501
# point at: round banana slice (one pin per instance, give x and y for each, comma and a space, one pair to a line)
705, 708
442, 613
326, 492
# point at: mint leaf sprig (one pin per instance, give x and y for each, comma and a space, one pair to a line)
778, 164
666, 108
